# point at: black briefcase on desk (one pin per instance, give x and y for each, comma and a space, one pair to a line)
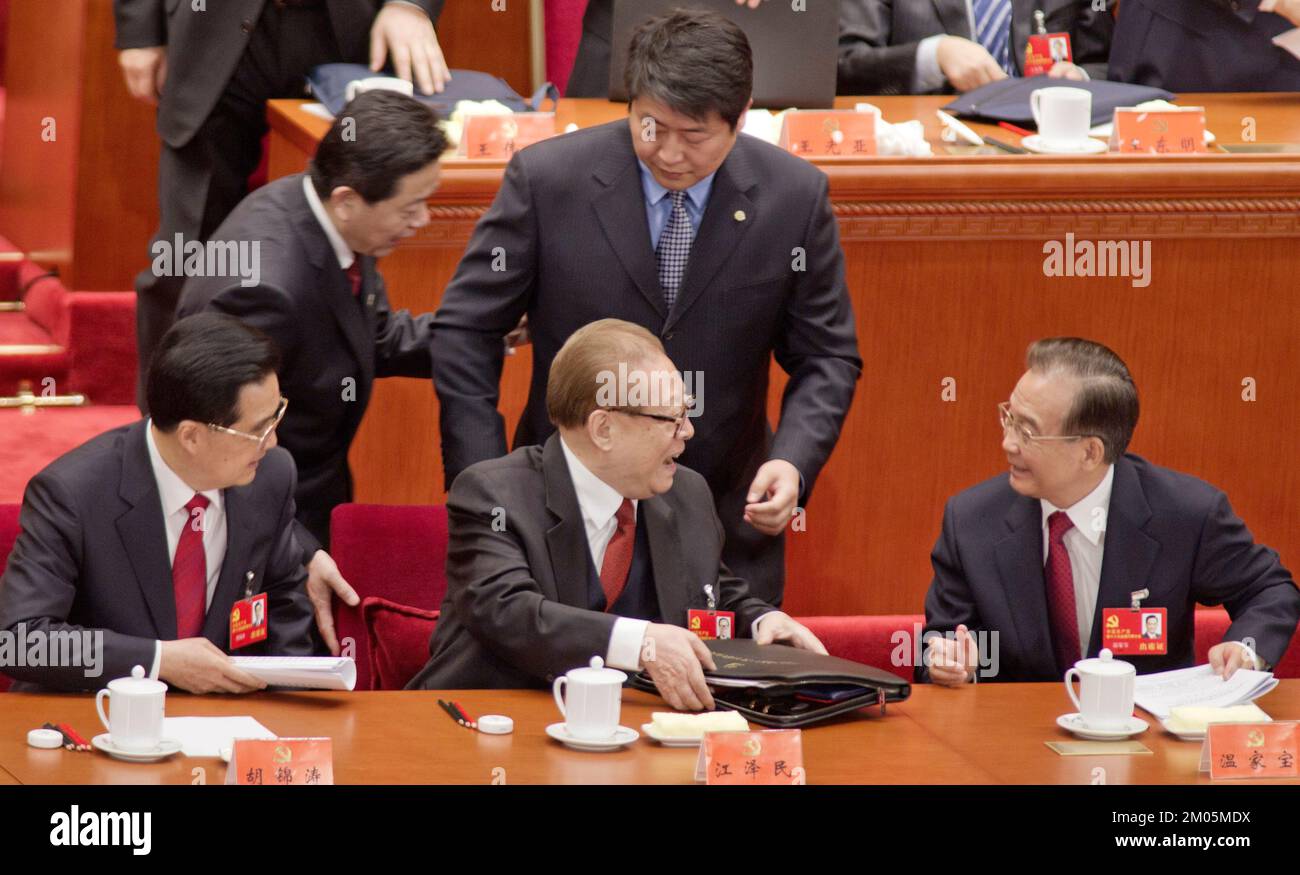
784, 687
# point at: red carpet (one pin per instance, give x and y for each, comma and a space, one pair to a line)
30, 442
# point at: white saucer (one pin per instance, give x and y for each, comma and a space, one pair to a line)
670, 740
1035, 143
621, 738
167, 747
1073, 723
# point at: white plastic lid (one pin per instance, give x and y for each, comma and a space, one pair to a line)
496, 724
137, 684
1106, 664
596, 673
47, 739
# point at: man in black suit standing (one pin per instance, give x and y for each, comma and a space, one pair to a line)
318, 294
210, 66
146, 536
1079, 526
722, 245
1206, 45
904, 47
596, 544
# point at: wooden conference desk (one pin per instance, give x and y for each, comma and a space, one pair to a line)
944, 259
990, 734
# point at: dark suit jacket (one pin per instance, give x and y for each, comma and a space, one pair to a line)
570, 217
204, 47
93, 555
512, 615
590, 74
878, 38
1202, 45
332, 345
1166, 532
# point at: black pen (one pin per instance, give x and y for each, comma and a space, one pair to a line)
1005, 147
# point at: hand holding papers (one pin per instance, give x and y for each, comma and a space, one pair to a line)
304, 672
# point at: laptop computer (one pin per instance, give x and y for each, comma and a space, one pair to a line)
795, 52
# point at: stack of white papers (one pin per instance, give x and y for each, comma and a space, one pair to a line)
206, 736
304, 672
1161, 692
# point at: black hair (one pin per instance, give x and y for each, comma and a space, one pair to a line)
200, 367
378, 138
1106, 405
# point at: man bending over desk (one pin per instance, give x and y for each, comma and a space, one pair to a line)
595, 544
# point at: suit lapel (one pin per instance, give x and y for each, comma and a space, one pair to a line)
1020, 562
620, 208
1130, 553
666, 559
954, 17
567, 539
144, 533
230, 583
720, 229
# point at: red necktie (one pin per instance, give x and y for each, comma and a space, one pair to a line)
618, 555
354, 276
190, 572
1060, 593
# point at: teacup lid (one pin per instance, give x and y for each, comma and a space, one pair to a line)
596, 673
137, 684
1106, 664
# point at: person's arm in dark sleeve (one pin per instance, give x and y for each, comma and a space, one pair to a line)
431, 8
949, 602
818, 348
867, 63
290, 615
1090, 42
491, 290
1248, 579
401, 340
39, 587
141, 24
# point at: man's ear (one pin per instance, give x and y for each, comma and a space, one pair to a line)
600, 424
344, 202
190, 436
1094, 453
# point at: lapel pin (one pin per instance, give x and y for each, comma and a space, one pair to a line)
370, 301
738, 215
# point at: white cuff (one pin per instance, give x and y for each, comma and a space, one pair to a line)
1255, 661
157, 660
929, 75
625, 644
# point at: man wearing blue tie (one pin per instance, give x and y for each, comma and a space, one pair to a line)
892, 47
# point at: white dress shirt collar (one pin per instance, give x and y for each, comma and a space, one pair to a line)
1089, 513
597, 500
173, 491
342, 251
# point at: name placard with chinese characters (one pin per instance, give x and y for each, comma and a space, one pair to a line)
1246, 751
1159, 132
499, 137
829, 133
281, 761
770, 756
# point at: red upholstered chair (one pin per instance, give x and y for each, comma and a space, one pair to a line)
398, 636
397, 554
871, 640
8, 534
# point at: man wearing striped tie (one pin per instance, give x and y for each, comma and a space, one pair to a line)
895, 47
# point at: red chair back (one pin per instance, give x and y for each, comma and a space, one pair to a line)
393, 552
887, 642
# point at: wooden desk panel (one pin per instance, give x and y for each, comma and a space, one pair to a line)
944, 261
990, 734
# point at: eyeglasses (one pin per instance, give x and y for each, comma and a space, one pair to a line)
679, 421
1025, 434
262, 438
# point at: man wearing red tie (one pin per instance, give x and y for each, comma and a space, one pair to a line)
596, 543
150, 534
315, 289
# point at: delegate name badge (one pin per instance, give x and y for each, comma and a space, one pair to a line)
712, 624
1135, 631
248, 622
1044, 50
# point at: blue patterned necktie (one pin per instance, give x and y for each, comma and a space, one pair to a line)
993, 30
674, 248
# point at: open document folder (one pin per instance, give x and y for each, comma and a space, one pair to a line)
1163, 691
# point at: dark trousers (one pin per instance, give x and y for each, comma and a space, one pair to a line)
200, 182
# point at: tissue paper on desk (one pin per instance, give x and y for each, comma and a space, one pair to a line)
906, 139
